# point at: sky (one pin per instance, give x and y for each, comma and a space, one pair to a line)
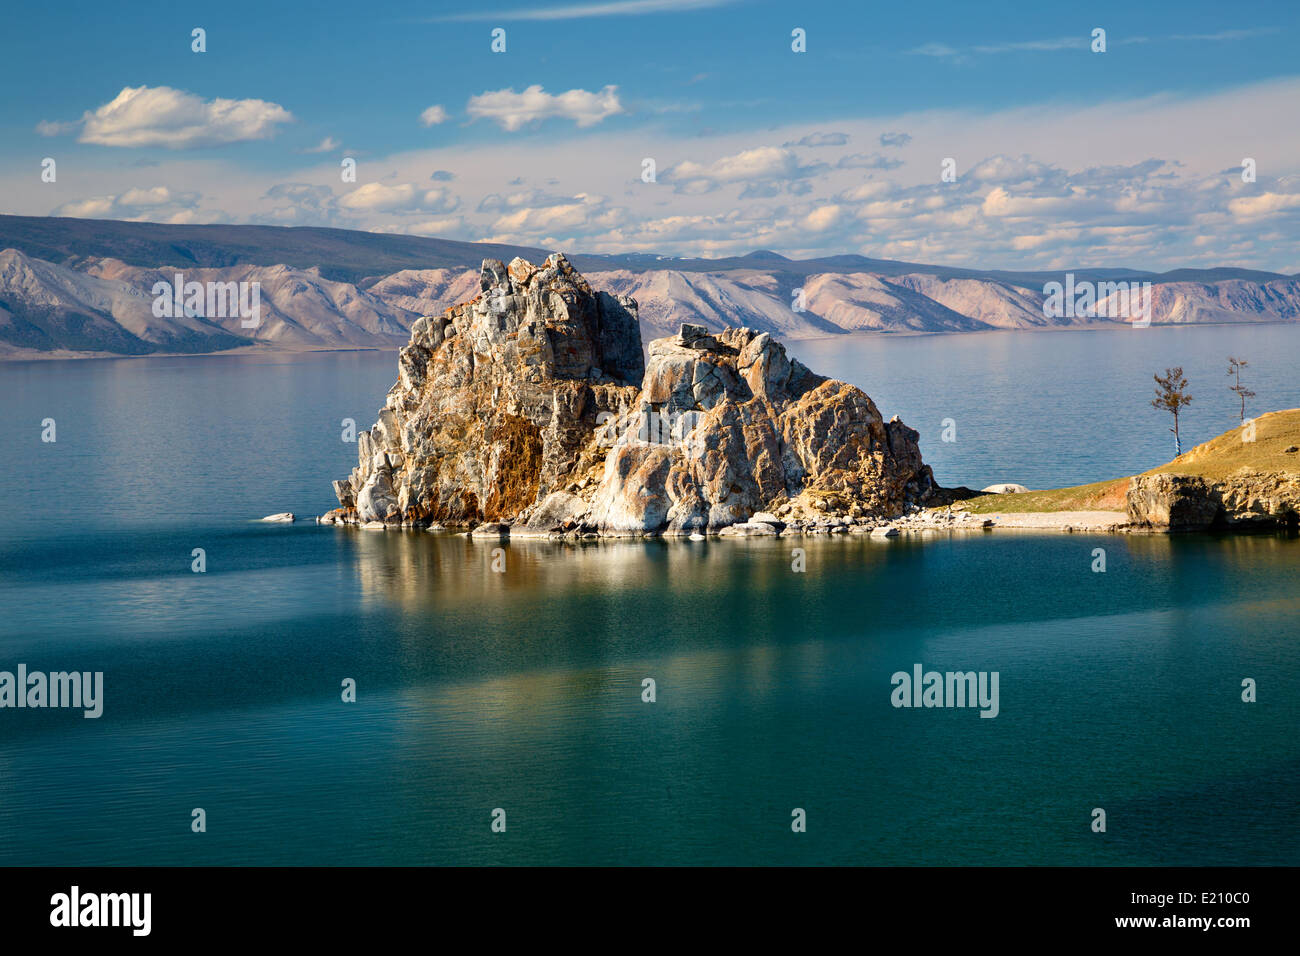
1062, 155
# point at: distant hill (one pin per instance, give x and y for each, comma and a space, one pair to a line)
345, 255
349, 255
81, 286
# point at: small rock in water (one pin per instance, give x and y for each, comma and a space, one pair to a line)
696, 536
885, 531
282, 516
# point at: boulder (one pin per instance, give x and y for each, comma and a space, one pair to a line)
1007, 488
746, 529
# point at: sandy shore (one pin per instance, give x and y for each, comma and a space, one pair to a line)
1061, 520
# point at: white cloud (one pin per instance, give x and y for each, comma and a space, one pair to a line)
1265, 204
152, 204
822, 218
577, 11
174, 119
513, 111
156, 196
871, 190
582, 210
327, 145
865, 161
762, 169
821, 139
433, 116
405, 197
447, 227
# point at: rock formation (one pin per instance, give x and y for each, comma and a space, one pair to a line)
1193, 503
531, 406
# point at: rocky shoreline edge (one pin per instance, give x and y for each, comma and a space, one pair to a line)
764, 524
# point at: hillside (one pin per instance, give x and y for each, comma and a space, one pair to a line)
108, 308
1227, 455
76, 286
1223, 461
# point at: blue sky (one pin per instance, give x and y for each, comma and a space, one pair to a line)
1063, 156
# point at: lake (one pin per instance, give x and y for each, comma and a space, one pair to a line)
522, 690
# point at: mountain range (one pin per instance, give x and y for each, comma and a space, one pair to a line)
81, 286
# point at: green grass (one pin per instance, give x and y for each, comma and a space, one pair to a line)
1099, 496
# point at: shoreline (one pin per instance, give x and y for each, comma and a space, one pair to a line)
930, 521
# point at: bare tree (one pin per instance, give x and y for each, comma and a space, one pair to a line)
1235, 365
1172, 397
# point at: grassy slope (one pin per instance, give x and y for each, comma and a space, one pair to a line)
1217, 458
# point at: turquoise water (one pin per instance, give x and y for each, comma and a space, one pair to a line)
522, 690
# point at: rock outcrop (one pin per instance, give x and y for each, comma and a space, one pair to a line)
1193, 503
531, 406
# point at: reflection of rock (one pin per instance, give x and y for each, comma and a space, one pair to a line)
521, 407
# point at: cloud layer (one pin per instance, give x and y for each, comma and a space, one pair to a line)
1135, 183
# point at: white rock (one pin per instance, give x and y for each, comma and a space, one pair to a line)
747, 529
1005, 489
285, 516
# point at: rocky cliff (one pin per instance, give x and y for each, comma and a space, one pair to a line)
1193, 503
531, 406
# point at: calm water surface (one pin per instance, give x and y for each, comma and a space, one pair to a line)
522, 690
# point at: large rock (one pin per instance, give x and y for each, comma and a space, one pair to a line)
531, 405
1192, 503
